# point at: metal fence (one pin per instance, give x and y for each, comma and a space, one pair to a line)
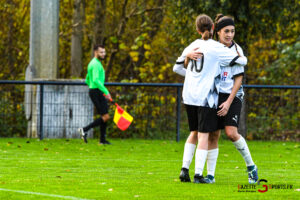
272, 112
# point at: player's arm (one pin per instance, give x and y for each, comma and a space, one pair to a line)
236, 86
192, 55
230, 58
180, 62
242, 60
239, 51
179, 66
186, 61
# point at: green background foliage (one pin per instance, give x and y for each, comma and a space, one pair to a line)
268, 31
144, 38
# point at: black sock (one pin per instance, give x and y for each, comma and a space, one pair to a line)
95, 123
103, 131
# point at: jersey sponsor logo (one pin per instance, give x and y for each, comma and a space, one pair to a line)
224, 76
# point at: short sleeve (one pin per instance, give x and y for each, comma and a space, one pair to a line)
228, 57
237, 70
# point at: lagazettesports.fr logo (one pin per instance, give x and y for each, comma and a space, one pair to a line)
262, 186
265, 186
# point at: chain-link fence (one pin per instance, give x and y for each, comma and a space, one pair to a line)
57, 109
273, 112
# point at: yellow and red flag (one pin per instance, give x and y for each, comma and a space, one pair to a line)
122, 119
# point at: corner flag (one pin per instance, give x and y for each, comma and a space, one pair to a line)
122, 119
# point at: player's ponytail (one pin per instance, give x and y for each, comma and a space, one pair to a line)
206, 35
218, 17
204, 25
236, 48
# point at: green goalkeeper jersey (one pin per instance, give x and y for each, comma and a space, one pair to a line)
95, 77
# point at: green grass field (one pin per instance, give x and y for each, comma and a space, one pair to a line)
137, 169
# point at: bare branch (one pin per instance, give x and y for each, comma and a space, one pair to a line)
147, 10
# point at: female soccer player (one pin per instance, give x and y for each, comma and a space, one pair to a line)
200, 92
230, 103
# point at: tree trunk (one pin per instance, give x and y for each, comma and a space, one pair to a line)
100, 17
156, 17
156, 20
77, 36
119, 32
243, 117
10, 42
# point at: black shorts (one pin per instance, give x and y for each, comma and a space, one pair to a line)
202, 119
233, 116
99, 101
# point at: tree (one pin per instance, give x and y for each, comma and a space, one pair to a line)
14, 43
77, 37
100, 22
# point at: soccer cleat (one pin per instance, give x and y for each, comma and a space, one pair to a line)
252, 175
83, 134
184, 175
105, 142
198, 178
209, 179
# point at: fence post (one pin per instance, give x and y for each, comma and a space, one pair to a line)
41, 111
178, 113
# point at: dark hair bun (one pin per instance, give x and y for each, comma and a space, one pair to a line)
219, 16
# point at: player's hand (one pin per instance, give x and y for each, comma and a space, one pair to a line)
224, 109
194, 54
108, 97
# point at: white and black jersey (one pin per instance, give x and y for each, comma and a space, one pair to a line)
202, 77
229, 73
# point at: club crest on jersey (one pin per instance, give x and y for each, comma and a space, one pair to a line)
224, 76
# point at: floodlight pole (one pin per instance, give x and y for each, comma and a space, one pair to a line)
44, 30
43, 52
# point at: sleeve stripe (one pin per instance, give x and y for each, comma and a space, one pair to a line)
179, 63
239, 74
233, 61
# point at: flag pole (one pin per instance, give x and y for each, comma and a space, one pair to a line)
111, 100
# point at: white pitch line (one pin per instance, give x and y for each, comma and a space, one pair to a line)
43, 194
